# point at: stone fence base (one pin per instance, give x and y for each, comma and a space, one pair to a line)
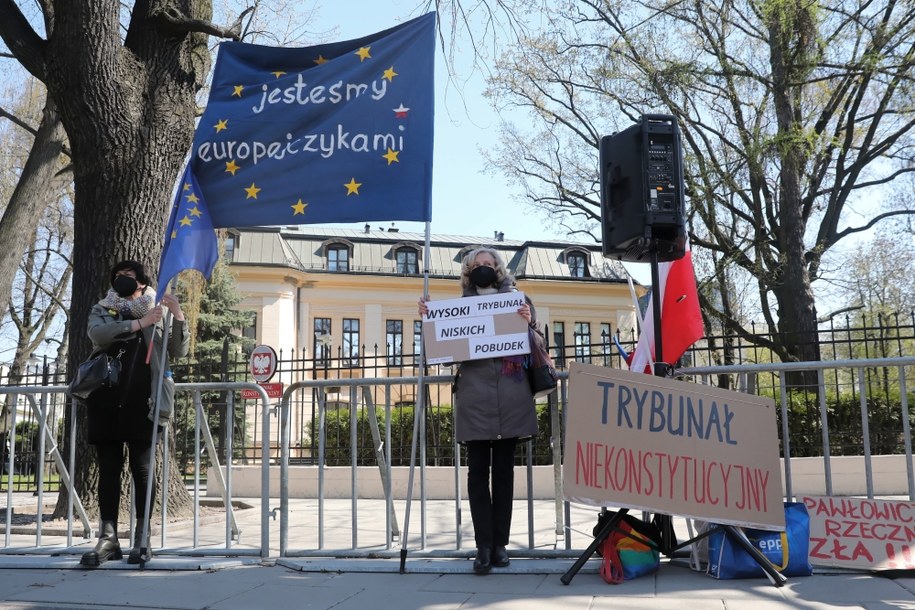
890, 478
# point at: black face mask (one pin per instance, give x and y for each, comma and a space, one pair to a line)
124, 285
483, 276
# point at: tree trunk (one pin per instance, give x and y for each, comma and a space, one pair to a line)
38, 184
789, 31
129, 114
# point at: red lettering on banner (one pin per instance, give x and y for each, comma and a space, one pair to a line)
673, 477
816, 545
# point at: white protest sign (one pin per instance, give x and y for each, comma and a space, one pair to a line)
471, 328
651, 443
861, 533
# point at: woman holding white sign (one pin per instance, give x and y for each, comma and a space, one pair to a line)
494, 410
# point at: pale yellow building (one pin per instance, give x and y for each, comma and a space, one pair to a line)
350, 296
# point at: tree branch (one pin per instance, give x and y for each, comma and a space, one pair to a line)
173, 20
16, 120
23, 42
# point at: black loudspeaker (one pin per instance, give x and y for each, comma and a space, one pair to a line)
641, 198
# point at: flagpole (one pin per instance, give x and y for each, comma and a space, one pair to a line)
150, 479
418, 407
660, 367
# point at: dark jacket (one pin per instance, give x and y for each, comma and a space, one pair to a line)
490, 405
106, 328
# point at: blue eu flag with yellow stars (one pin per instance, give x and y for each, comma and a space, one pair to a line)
339, 132
190, 241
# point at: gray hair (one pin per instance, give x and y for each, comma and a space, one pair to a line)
467, 266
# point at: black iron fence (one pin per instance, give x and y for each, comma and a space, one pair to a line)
840, 391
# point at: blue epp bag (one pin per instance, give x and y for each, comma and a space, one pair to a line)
787, 550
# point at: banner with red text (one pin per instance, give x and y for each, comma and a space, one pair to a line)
861, 533
650, 443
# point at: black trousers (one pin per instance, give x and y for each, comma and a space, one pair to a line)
491, 506
110, 464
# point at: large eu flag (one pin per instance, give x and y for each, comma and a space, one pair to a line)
190, 241
339, 132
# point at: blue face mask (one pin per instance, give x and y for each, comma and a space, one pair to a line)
483, 277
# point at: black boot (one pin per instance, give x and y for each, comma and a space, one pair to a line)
141, 552
500, 557
107, 547
483, 562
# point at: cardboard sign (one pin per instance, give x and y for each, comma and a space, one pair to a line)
645, 442
861, 533
472, 328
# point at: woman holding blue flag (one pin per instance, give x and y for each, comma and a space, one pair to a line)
123, 324
494, 409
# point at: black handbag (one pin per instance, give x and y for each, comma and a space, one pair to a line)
541, 374
99, 371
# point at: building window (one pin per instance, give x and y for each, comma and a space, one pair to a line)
559, 341
229, 246
350, 342
337, 258
583, 341
578, 264
322, 349
417, 337
606, 341
249, 331
407, 261
394, 340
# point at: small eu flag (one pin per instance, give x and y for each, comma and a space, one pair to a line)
190, 241
339, 132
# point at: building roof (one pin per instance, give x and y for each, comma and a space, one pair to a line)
372, 251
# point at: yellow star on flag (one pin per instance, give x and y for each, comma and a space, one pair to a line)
185, 222
237, 89
363, 54
389, 74
192, 198
252, 191
174, 234
278, 73
321, 60
298, 207
352, 187
187, 186
195, 212
391, 156
222, 124
231, 167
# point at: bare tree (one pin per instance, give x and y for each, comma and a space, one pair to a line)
790, 112
40, 299
124, 83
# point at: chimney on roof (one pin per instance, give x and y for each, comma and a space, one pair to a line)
499, 235
393, 229
368, 227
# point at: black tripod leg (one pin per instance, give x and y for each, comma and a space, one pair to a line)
777, 578
586, 555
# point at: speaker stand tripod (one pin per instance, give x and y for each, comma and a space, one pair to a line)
665, 523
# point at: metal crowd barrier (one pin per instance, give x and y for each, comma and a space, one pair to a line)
371, 527
75, 509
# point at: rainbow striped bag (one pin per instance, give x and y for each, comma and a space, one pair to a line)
630, 551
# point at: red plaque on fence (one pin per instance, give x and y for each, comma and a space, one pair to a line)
274, 390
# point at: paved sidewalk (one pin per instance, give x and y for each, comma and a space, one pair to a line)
230, 585
36, 578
